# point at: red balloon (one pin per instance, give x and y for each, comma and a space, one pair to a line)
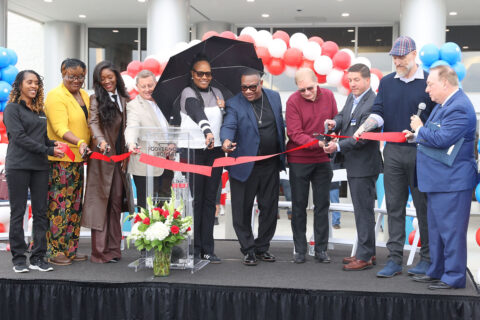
345, 82
341, 60
246, 38
307, 64
411, 236
377, 72
263, 54
133, 93
329, 48
322, 78
478, 236
134, 67
151, 65
293, 57
2, 228
228, 35
317, 40
209, 34
4, 138
280, 34
276, 66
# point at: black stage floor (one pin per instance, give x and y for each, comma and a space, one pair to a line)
280, 290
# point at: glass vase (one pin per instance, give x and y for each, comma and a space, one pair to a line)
161, 263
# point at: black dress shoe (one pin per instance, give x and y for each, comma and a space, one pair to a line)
250, 260
299, 258
265, 256
425, 279
322, 256
440, 285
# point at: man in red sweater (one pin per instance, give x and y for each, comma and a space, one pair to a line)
307, 110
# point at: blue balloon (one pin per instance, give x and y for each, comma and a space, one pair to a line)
439, 63
4, 57
429, 54
9, 73
460, 70
4, 90
3, 104
477, 192
451, 53
12, 56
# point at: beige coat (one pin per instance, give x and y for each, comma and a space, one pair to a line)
141, 114
100, 173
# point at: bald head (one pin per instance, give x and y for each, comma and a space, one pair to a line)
305, 74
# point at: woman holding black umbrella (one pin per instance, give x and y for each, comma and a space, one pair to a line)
202, 116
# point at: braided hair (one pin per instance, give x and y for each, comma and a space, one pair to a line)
37, 102
106, 107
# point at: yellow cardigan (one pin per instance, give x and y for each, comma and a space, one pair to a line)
65, 114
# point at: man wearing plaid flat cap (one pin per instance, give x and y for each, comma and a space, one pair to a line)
400, 95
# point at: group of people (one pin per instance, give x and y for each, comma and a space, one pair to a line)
249, 124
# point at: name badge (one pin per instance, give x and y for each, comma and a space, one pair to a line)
353, 122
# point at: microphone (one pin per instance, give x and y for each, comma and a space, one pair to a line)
421, 107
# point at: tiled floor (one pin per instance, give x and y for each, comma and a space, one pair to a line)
348, 231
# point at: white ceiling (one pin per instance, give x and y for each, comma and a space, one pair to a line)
123, 13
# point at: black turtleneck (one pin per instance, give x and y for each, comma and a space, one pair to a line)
267, 128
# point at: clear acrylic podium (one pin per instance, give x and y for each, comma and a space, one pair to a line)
172, 144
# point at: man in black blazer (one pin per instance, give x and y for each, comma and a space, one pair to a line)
363, 162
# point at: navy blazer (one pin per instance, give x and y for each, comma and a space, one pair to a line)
240, 126
456, 119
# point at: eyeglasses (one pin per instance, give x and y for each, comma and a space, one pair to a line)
74, 78
202, 74
251, 88
306, 89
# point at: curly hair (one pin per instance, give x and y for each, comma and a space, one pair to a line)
106, 107
37, 102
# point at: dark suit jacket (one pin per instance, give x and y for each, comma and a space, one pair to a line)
456, 119
240, 126
362, 158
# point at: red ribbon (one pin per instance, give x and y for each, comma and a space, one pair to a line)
68, 152
229, 161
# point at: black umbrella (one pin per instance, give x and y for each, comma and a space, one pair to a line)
228, 58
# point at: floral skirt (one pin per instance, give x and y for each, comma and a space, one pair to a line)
65, 192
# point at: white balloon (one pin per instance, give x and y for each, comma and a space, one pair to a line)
277, 48
290, 71
415, 224
157, 78
362, 60
374, 82
194, 42
342, 90
179, 47
129, 82
262, 38
334, 78
323, 65
3, 151
163, 56
298, 40
350, 53
251, 31
312, 50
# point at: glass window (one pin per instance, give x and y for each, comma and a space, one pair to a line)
374, 39
119, 45
143, 42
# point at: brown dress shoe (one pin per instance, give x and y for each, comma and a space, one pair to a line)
60, 260
80, 257
357, 265
347, 260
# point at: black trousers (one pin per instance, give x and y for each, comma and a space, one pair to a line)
204, 194
399, 177
320, 175
19, 181
264, 184
363, 194
141, 185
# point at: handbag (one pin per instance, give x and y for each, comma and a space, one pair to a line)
3, 186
